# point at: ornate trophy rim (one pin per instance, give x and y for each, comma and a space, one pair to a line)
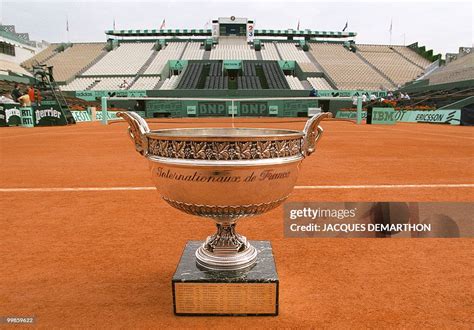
226, 134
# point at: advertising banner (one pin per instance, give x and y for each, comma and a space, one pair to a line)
81, 116
383, 116
444, 116
350, 93
10, 115
93, 95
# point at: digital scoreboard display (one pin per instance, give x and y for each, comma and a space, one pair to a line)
232, 29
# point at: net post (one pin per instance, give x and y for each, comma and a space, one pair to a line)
104, 110
359, 110
232, 107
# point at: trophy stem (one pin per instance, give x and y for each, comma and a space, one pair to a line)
226, 250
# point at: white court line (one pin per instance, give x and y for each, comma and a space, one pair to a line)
375, 186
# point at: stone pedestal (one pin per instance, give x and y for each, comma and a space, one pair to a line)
252, 291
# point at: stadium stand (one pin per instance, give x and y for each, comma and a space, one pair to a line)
274, 77
458, 70
145, 83
191, 76
319, 83
396, 67
41, 57
6, 67
249, 78
171, 82
289, 51
294, 82
127, 59
106, 83
144, 63
347, 70
79, 84
412, 56
230, 48
73, 59
216, 82
172, 51
269, 52
248, 82
193, 51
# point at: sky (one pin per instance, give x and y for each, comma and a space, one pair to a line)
443, 26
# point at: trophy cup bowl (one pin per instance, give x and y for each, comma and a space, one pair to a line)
224, 174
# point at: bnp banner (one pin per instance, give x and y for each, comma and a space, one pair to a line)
443, 116
93, 95
350, 93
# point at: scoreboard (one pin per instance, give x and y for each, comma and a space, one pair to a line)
233, 26
238, 30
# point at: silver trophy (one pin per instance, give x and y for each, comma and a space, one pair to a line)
224, 174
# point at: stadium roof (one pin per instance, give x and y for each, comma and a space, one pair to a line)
208, 33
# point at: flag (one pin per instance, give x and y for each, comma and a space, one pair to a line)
391, 25
207, 24
345, 26
162, 26
114, 23
298, 27
67, 24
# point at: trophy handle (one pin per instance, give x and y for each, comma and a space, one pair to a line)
137, 130
313, 132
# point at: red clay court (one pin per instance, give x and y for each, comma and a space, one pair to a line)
104, 257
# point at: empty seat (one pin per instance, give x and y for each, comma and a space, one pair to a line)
127, 59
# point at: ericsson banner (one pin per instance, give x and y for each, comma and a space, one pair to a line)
444, 116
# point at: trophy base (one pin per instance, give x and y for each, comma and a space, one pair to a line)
226, 261
249, 292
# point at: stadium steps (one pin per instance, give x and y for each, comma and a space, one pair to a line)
147, 63
159, 84
321, 69
184, 49
207, 55
315, 61
88, 66
406, 58
93, 85
261, 76
143, 68
49, 57
307, 85
376, 69
278, 51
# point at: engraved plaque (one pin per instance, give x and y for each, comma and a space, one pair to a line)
225, 298
253, 291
